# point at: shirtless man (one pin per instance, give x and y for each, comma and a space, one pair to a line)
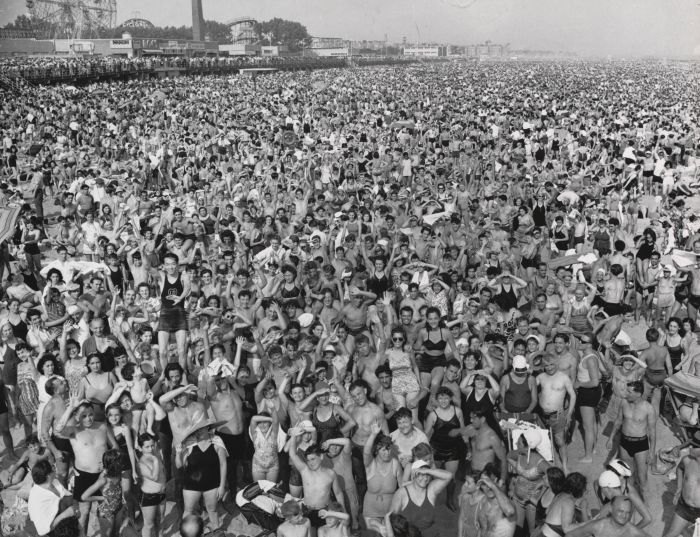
406, 436
365, 414
566, 361
541, 318
385, 396
554, 387
89, 440
614, 290
318, 482
414, 301
182, 411
485, 444
57, 443
185, 227
618, 524
226, 405
687, 496
292, 402
410, 328
449, 377
496, 512
637, 420
139, 268
658, 363
354, 315
367, 362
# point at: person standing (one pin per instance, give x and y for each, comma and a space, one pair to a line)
518, 388
89, 440
174, 290
636, 421
365, 413
226, 405
588, 394
202, 456
555, 385
416, 500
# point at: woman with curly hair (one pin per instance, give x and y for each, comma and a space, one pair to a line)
384, 474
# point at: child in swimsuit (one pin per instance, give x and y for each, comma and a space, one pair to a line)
143, 411
19, 470
107, 490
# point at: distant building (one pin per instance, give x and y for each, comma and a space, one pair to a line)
487, 50
328, 42
419, 51
368, 45
335, 52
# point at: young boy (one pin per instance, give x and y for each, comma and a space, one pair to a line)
152, 497
295, 524
19, 470
337, 521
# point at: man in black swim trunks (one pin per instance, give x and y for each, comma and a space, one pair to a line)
687, 496
637, 420
57, 443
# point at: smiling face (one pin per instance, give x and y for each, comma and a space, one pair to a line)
114, 416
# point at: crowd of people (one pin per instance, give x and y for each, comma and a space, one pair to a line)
401, 297
52, 68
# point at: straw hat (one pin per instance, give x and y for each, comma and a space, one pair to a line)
206, 423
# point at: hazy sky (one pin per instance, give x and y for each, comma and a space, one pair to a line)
618, 27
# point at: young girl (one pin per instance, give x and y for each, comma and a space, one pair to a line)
123, 435
107, 490
28, 393
152, 497
337, 521
263, 432
35, 452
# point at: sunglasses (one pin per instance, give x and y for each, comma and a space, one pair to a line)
397, 339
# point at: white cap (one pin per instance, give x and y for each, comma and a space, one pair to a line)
620, 467
417, 465
609, 479
306, 319
520, 362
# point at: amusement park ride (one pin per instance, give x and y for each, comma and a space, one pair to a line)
74, 19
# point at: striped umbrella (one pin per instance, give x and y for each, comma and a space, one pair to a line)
8, 221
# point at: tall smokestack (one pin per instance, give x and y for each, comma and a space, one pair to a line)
197, 21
